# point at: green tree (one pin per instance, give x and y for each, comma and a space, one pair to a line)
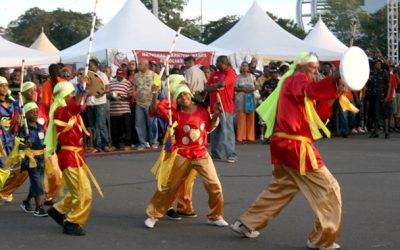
339, 16
215, 29
373, 31
289, 25
169, 12
63, 28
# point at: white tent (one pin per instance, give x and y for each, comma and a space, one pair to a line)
11, 55
134, 27
322, 37
43, 43
257, 34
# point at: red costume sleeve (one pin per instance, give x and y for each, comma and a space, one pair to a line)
324, 89
324, 110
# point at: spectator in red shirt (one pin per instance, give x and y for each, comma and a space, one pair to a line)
222, 83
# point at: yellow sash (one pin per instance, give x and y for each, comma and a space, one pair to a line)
31, 153
78, 158
68, 125
305, 148
314, 121
347, 105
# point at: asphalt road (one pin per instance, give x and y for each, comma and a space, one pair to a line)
368, 171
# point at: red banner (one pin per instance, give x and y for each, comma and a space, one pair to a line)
176, 59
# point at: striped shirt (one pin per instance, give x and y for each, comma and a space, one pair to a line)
121, 89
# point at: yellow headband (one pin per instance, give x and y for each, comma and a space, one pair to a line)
29, 106
181, 89
27, 85
305, 57
62, 89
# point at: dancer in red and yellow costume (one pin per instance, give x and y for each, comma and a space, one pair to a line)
189, 152
159, 110
66, 130
297, 166
52, 181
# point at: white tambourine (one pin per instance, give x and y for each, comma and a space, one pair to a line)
354, 68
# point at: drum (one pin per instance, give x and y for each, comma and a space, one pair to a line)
354, 68
95, 86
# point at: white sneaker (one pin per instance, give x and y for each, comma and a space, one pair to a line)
239, 228
140, 147
149, 223
354, 131
262, 137
147, 145
311, 245
360, 130
219, 223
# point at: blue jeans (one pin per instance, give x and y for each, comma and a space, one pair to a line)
98, 125
143, 127
223, 139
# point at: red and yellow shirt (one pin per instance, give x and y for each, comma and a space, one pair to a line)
291, 118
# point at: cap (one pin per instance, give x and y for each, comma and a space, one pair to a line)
3, 80
121, 72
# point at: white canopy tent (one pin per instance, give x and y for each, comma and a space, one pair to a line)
134, 27
11, 55
322, 37
43, 43
257, 34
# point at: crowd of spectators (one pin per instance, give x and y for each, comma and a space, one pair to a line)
119, 118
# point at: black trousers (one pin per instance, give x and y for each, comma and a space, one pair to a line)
121, 130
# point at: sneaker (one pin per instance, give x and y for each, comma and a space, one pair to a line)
190, 215
218, 223
140, 147
26, 206
311, 245
173, 215
147, 145
127, 148
240, 228
262, 137
374, 135
231, 161
149, 223
360, 130
91, 150
354, 131
7, 199
109, 149
40, 212
56, 216
49, 202
73, 229
154, 146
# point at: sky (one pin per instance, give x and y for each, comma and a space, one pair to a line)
212, 9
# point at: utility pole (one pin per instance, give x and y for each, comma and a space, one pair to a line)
393, 31
201, 17
155, 8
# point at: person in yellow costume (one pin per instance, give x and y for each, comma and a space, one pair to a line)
66, 131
